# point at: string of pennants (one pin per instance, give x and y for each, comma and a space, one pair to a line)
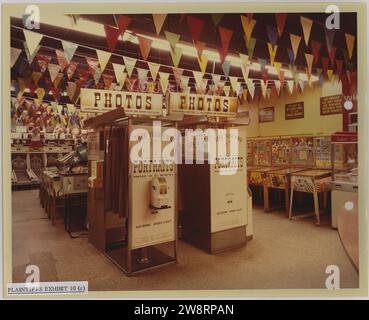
123, 71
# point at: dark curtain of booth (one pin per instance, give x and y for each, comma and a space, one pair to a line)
116, 170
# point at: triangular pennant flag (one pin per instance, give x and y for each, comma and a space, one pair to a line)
119, 72
69, 49
145, 46
262, 63
142, 74
62, 60
40, 92
291, 56
216, 79
272, 52
277, 66
203, 62
172, 38
154, 68
325, 63
315, 47
195, 26
222, 55
302, 85
131, 83
277, 85
184, 81
250, 87
202, 88
309, 62
199, 48
330, 74
33, 40
14, 54
178, 75
176, 56
103, 57
272, 35
306, 28
122, 81
71, 69
295, 42
158, 19
36, 76
71, 90
112, 35
329, 34
53, 70
123, 23
58, 78
236, 86
350, 40
263, 87
290, 85
332, 54
108, 80
281, 21
130, 64
245, 72
295, 75
164, 81
244, 60
227, 90
250, 46
216, 17
30, 56
248, 27
281, 77
198, 77
225, 37
226, 66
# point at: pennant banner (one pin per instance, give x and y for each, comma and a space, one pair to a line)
33, 40
202, 88
53, 71
198, 77
329, 34
71, 69
277, 85
227, 90
158, 21
281, 21
272, 35
112, 35
145, 46
199, 48
350, 41
176, 56
309, 62
103, 57
226, 67
172, 38
216, 79
295, 42
123, 23
290, 84
184, 81
225, 38
69, 50
306, 28
272, 52
164, 81
14, 54
119, 73
203, 62
236, 86
250, 46
245, 72
178, 75
250, 87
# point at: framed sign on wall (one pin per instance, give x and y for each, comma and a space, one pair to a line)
266, 114
331, 105
294, 110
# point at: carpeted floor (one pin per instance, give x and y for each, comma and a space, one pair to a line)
283, 254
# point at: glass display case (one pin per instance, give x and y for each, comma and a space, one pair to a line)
345, 158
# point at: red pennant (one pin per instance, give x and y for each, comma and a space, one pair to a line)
225, 37
325, 63
281, 21
222, 55
339, 64
332, 54
123, 23
112, 35
195, 27
315, 46
199, 48
145, 46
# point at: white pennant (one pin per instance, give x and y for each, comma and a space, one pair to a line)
263, 87
250, 87
103, 57
164, 81
53, 70
14, 54
119, 72
302, 85
244, 60
236, 86
290, 84
198, 77
154, 69
277, 84
184, 81
33, 40
245, 72
130, 64
216, 79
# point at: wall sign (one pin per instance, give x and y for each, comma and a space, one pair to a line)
294, 110
197, 104
266, 114
134, 103
331, 105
